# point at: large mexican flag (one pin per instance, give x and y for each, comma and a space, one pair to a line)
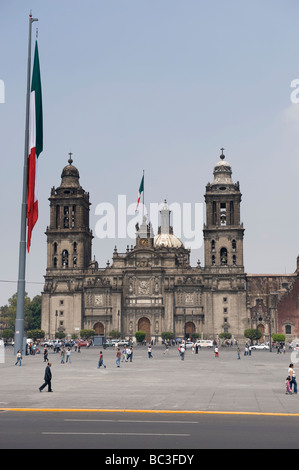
35, 145
141, 189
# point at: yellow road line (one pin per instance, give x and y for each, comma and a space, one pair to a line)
98, 410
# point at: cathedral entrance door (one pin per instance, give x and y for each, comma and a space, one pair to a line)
190, 329
145, 325
99, 328
261, 328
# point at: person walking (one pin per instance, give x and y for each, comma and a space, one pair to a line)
47, 378
292, 375
238, 353
216, 352
288, 386
118, 356
19, 358
182, 352
68, 356
166, 348
46, 359
149, 351
62, 355
101, 360
124, 354
130, 353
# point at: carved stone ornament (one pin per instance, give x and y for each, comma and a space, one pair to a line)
143, 263
189, 298
98, 299
143, 288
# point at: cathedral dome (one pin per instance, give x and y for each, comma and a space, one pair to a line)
70, 174
168, 240
165, 236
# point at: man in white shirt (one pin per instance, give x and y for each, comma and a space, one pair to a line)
182, 352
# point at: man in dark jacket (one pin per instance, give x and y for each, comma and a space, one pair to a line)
47, 378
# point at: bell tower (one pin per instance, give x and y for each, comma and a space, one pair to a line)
225, 279
223, 230
68, 235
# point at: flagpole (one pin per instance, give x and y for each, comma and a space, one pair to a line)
143, 199
19, 325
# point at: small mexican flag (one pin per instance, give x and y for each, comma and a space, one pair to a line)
141, 187
35, 145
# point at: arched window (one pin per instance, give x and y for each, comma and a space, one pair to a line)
75, 262
222, 213
213, 260
55, 262
234, 245
75, 247
288, 329
65, 259
213, 246
55, 248
234, 260
66, 220
73, 216
223, 256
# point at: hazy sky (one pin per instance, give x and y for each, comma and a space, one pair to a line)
161, 86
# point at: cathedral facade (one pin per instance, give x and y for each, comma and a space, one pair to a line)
152, 286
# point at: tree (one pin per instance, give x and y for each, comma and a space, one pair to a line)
252, 334
279, 338
32, 312
59, 335
115, 334
7, 334
8, 312
140, 336
36, 334
87, 334
225, 335
167, 335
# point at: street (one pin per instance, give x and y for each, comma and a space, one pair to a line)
125, 431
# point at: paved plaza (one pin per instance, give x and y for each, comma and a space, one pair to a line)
201, 382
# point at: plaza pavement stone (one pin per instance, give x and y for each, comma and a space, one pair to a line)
201, 382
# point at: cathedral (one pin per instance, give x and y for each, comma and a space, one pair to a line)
152, 286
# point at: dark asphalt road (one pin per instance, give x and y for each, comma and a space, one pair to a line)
97, 430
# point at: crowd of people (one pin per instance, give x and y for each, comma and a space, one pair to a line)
125, 354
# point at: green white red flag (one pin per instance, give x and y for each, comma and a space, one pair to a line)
141, 188
35, 145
